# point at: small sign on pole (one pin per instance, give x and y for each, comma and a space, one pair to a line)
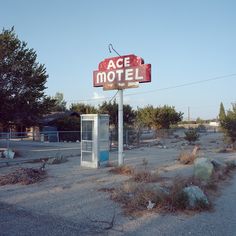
118, 73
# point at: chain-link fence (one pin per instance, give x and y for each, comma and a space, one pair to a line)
131, 137
135, 137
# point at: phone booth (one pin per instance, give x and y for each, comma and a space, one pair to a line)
94, 140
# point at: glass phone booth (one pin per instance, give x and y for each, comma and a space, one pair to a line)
94, 140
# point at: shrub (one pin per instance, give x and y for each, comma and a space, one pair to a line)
228, 123
191, 135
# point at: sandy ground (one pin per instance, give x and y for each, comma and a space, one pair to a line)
71, 193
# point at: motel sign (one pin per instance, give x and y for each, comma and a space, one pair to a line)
122, 73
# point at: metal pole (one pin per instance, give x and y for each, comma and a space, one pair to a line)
120, 128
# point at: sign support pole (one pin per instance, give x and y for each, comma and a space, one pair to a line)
120, 128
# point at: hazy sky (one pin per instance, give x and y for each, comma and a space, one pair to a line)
185, 41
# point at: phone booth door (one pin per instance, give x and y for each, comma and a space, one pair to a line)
87, 142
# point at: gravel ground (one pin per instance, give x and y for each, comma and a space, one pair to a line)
68, 201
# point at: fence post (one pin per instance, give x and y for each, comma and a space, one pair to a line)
8, 141
126, 137
110, 138
58, 138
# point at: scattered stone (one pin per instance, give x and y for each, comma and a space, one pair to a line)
222, 150
9, 154
203, 168
150, 205
58, 159
195, 195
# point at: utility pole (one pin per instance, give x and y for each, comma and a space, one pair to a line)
188, 114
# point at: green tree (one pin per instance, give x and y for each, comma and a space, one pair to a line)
222, 114
22, 83
146, 117
229, 124
83, 108
60, 103
199, 121
111, 108
167, 116
159, 117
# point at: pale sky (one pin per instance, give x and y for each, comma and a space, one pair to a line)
185, 41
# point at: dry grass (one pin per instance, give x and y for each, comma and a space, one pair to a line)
23, 176
122, 170
145, 176
145, 186
186, 158
134, 197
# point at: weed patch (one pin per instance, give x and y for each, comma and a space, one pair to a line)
122, 170
23, 176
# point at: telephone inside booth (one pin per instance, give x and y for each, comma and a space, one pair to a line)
94, 140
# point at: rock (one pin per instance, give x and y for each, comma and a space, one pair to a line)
203, 168
9, 154
217, 164
231, 163
195, 195
150, 205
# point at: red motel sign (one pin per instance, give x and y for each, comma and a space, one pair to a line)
121, 73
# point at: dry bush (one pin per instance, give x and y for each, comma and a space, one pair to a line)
23, 176
122, 170
135, 194
134, 197
145, 176
186, 158
176, 199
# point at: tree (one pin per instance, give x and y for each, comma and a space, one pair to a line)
222, 114
60, 103
146, 117
229, 124
22, 83
167, 116
199, 121
159, 117
111, 108
83, 108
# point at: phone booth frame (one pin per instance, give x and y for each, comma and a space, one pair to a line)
95, 143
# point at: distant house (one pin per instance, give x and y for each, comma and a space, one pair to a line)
49, 128
214, 123
49, 118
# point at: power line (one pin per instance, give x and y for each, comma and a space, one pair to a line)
160, 89
184, 85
